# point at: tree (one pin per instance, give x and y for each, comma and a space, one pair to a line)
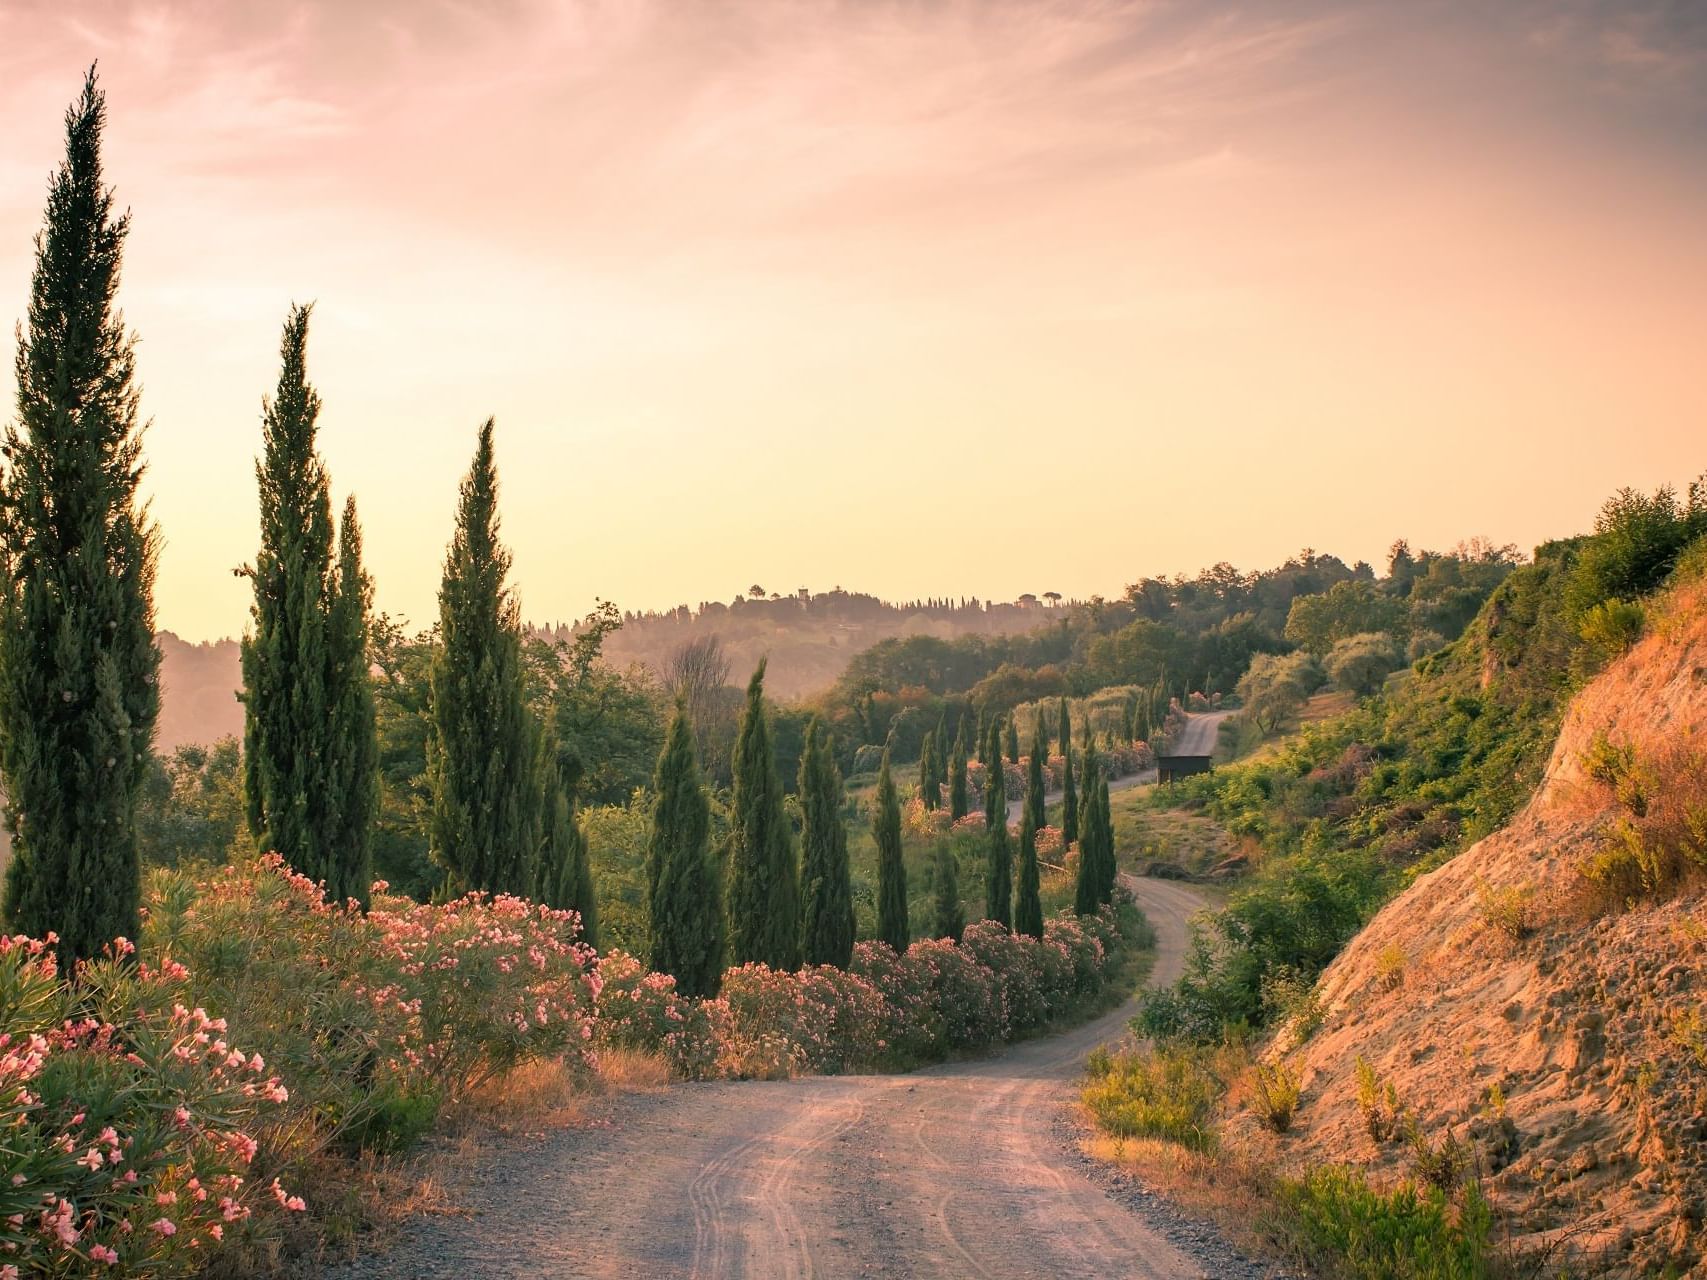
566, 870
928, 791
484, 749
764, 891
684, 882
827, 921
957, 801
950, 915
1028, 909
1087, 884
1108, 869
1069, 793
79, 686
998, 878
1034, 785
311, 750
1013, 740
698, 673
893, 926
1346, 609
1360, 664
1274, 688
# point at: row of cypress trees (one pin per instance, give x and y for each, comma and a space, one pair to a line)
79, 668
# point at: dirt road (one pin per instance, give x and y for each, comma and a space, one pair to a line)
1199, 735
956, 1171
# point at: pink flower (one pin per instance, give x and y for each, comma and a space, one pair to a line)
103, 1253
165, 1226
92, 1161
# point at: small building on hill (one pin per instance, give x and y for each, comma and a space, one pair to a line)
1172, 768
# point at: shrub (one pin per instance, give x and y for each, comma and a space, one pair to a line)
1437, 1164
1390, 967
1167, 1092
1288, 996
1404, 1232
1276, 1095
1661, 841
129, 1119
1606, 631
1505, 909
1378, 1103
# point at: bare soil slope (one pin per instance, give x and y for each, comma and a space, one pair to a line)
1589, 1026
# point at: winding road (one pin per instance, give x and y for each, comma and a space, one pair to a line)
959, 1170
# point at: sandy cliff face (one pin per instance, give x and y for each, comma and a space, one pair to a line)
1572, 1061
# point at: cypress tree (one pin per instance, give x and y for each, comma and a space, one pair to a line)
1107, 866
950, 915
893, 926
1013, 738
957, 802
982, 745
1034, 786
1028, 907
927, 772
310, 746
566, 873
484, 747
684, 881
1069, 792
79, 690
764, 891
827, 921
1066, 727
353, 750
1040, 731
1087, 884
998, 878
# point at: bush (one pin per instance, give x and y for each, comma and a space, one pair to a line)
1168, 1092
1606, 631
1405, 1233
1276, 1095
1378, 1104
1360, 664
1505, 909
129, 1119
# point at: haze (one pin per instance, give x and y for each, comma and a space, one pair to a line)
910, 298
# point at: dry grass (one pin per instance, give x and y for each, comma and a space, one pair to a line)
1222, 1189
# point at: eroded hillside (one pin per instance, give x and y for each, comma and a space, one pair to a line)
1528, 1022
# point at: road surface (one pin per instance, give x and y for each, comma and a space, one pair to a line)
955, 1171
1199, 735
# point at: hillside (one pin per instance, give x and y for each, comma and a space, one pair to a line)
1537, 1024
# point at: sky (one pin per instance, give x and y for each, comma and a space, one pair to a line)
977, 297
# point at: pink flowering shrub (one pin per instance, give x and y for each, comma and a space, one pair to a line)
639, 1009
919, 821
128, 1120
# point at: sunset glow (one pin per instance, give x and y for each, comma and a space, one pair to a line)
744, 282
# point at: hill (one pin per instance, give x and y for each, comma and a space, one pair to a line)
1535, 1004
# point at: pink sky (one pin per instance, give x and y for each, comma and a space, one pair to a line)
958, 298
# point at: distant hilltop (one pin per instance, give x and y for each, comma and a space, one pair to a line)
809, 639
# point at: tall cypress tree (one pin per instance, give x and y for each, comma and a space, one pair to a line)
764, 887
928, 792
1028, 906
79, 688
483, 751
1013, 737
893, 926
566, 872
684, 881
957, 801
950, 914
1040, 733
1034, 786
1088, 883
1069, 792
998, 875
827, 918
353, 746
1109, 870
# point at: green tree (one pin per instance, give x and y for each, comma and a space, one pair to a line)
1069, 792
764, 892
998, 875
1034, 785
928, 792
1346, 609
957, 800
684, 880
1360, 664
310, 750
893, 926
1028, 908
950, 915
1274, 688
1013, 739
1108, 869
566, 871
484, 750
79, 688
1087, 884
827, 921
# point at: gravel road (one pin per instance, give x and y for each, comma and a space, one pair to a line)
962, 1170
